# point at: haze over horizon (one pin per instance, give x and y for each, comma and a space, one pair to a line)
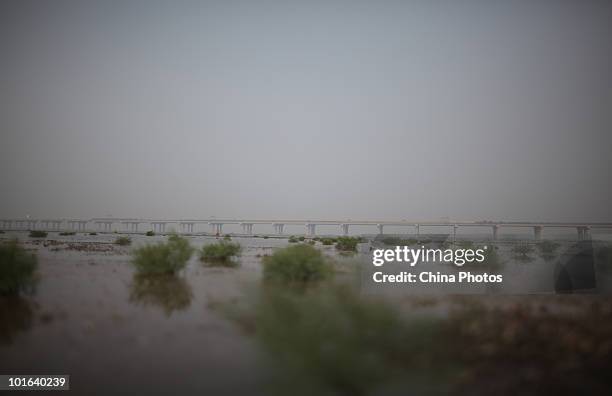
309, 110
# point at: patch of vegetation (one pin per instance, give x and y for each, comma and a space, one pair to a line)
332, 341
67, 233
548, 249
328, 241
265, 237
164, 257
150, 233
311, 242
522, 251
299, 264
123, 241
302, 238
227, 237
169, 292
17, 269
396, 241
293, 239
38, 234
347, 244
463, 244
93, 233
220, 253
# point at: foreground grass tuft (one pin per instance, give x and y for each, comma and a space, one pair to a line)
298, 264
17, 267
38, 234
164, 257
220, 253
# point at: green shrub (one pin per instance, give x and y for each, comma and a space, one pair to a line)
220, 253
38, 234
328, 241
265, 237
464, 244
548, 249
301, 238
66, 233
293, 239
522, 249
227, 237
17, 267
150, 233
311, 242
123, 241
396, 241
298, 264
347, 244
164, 257
93, 233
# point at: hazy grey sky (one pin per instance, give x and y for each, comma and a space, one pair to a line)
310, 109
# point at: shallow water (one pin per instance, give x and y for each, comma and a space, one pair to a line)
92, 318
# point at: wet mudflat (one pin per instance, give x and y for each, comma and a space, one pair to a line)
92, 317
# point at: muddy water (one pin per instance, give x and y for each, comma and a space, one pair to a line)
92, 318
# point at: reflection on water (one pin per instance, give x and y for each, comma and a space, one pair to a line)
16, 315
168, 292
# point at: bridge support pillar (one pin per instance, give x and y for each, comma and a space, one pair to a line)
417, 229
537, 233
278, 228
247, 228
380, 228
345, 229
495, 232
217, 228
311, 229
583, 233
455, 233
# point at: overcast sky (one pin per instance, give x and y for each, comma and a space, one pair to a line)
311, 109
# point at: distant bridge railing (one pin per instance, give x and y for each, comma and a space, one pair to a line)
104, 224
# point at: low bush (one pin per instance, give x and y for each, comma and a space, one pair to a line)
298, 264
220, 253
150, 233
347, 244
123, 241
93, 233
164, 257
38, 234
302, 238
227, 237
548, 249
17, 268
522, 250
396, 241
293, 239
66, 233
328, 241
